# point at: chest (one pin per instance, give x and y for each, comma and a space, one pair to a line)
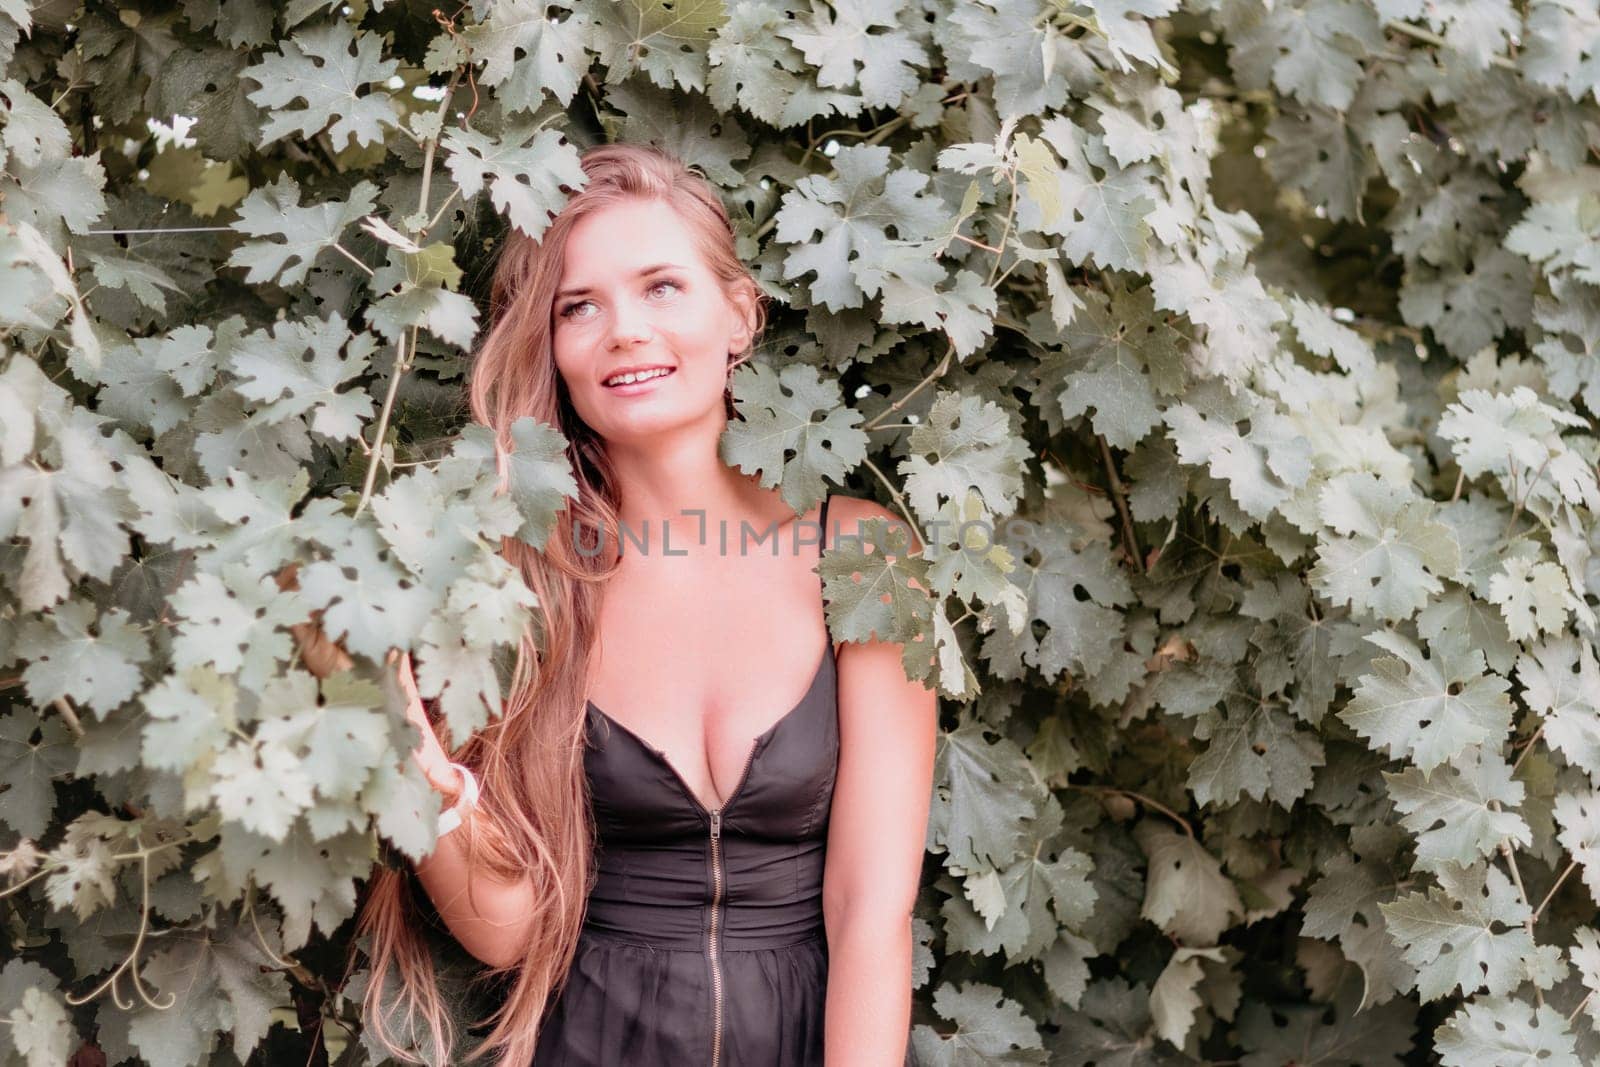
701, 666
783, 792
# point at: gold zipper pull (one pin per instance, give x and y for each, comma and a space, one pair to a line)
716, 823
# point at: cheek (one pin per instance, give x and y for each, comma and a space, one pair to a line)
707, 325
568, 363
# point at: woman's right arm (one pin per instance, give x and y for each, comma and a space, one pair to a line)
490, 922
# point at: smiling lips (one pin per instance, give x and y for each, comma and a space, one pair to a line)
631, 380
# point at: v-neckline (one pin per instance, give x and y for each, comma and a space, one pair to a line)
755, 746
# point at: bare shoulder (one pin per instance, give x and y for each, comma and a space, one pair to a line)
846, 515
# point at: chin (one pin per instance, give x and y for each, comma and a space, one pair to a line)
626, 425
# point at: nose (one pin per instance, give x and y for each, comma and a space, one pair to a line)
628, 327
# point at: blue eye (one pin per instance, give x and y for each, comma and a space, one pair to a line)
567, 312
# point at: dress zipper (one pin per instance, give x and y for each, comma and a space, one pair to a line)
713, 948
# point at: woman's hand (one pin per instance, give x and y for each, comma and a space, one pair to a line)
430, 754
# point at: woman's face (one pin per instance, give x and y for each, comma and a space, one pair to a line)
636, 293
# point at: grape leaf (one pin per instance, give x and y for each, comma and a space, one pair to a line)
92, 658
1464, 934
1428, 709
966, 443
1281, 1034
462, 511
1004, 38
666, 39
839, 225
907, 280
1561, 680
1500, 1030
1074, 590
1177, 1000
317, 66
70, 515
1516, 435
1262, 467
148, 382
1043, 889
686, 125
1310, 49
27, 768
755, 69
1392, 551
1112, 1025
306, 232
860, 46
41, 1030
1458, 812
1317, 151
1560, 49
219, 979
793, 430
978, 819
1117, 357
492, 601
451, 317
314, 880
1571, 345
1477, 30
206, 83
1257, 750
524, 172
527, 52
1128, 34
1103, 206
274, 368
1468, 306
989, 1028
1578, 816
263, 786
1585, 956
1186, 893
364, 601
1532, 596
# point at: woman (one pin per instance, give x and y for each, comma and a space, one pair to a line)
651, 876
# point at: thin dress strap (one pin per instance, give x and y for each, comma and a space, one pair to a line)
822, 518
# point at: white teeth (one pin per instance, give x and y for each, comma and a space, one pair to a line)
627, 379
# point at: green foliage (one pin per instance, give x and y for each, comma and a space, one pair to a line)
1236, 364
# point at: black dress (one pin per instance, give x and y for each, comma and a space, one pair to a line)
703, 940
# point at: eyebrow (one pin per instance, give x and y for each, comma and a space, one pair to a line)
562, 294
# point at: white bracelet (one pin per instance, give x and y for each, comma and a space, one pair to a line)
450, 818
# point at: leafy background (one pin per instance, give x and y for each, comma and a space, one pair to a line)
1273, 737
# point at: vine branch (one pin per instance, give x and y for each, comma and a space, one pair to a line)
403, 353
1149, 802
1119, 495
1417, 33
938, 371
69, 716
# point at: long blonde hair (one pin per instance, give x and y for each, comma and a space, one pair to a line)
534, 821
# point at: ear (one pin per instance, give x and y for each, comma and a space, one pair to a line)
743, 299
